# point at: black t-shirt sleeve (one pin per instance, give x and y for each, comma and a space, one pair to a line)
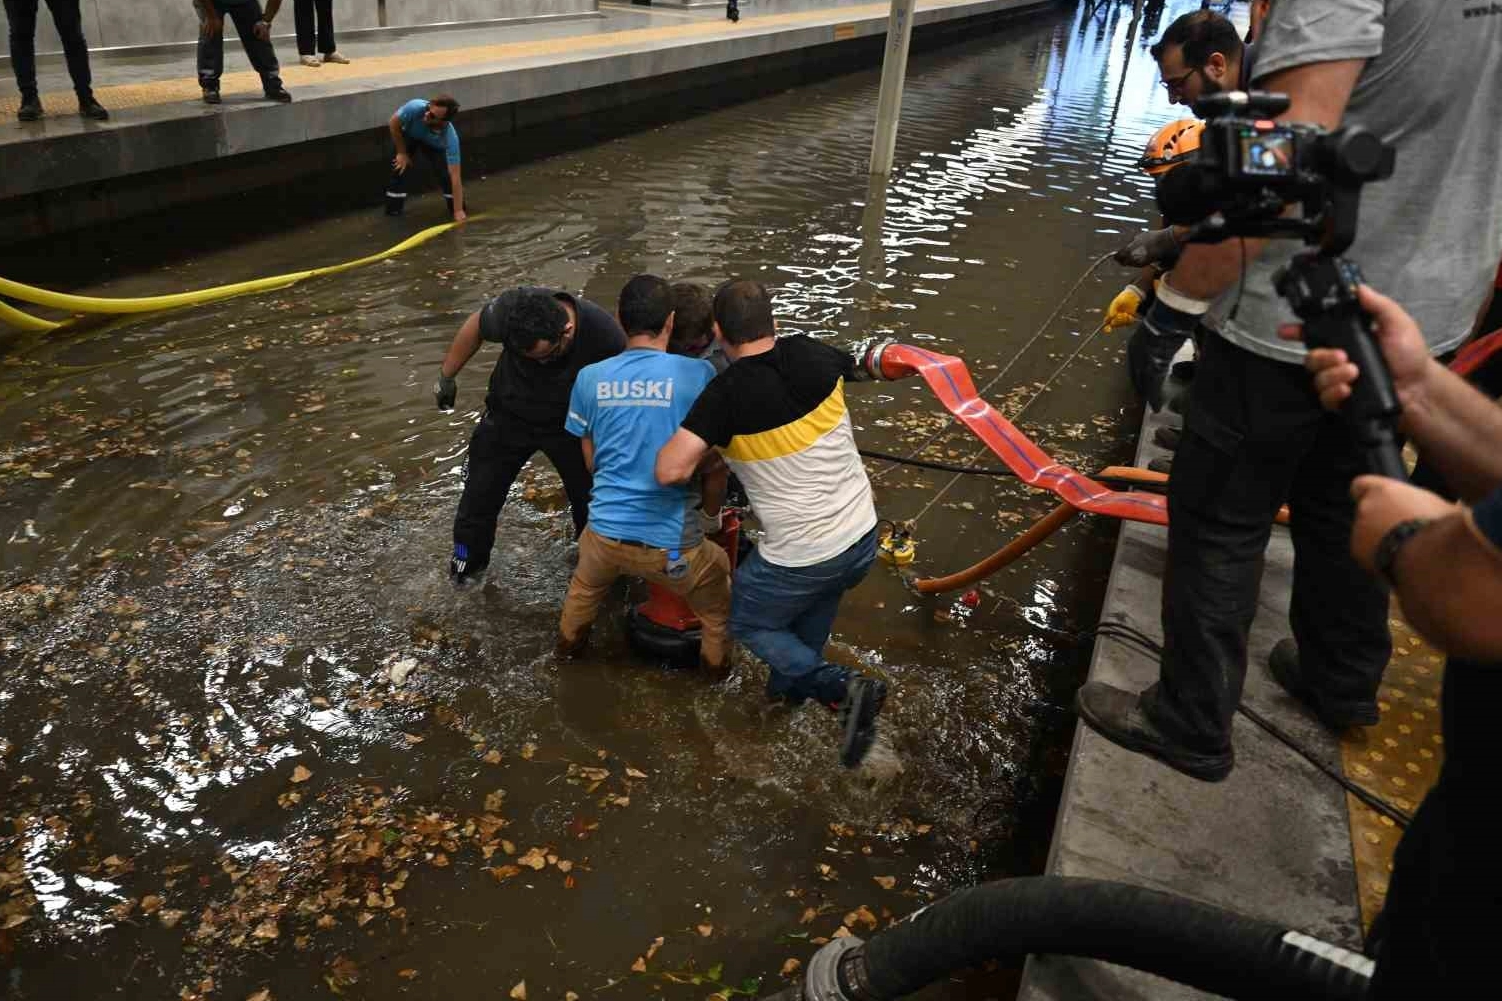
601, 330
710, 416
826, 362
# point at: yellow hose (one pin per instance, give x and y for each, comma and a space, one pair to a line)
10, 316
150, 304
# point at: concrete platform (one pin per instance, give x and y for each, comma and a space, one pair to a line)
163, 147
1272, 841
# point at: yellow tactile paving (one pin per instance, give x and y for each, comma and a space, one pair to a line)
1398, 759
140, 95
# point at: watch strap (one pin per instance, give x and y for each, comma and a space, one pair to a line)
1392, 543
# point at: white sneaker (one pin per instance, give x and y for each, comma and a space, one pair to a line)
311, 61
334, 57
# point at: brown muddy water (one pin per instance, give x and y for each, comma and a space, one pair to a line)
221, 528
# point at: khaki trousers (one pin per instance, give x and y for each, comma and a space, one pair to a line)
705, 586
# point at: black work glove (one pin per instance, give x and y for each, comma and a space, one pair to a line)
1152, 347
1147, 248
445, 391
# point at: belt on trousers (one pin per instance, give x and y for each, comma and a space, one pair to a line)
628, 542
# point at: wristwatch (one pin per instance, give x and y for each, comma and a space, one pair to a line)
1392, 543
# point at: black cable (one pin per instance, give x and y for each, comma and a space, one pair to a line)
950, 467
1131, 636
1240, 282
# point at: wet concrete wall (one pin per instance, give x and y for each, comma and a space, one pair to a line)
109, 24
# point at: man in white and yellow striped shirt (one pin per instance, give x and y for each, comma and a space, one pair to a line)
778, 415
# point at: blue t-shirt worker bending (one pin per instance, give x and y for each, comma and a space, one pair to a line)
425, 129
623, 410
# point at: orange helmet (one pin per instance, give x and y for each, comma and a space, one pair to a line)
1172, 145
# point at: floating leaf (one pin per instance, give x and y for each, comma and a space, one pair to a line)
632, 773
504, 872
640, 966
808, 916
705, 929
535, 858
885, 882
267, 930
656, 944
529, 749
169, 918
151, 903
301, 774
407, 974
791, 967
492, 757
494, 801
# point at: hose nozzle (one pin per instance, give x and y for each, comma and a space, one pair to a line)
822, 980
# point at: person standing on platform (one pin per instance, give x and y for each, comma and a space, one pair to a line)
429, 127
254, 27
22, 17
316, 47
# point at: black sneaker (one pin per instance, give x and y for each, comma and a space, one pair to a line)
1117, 716
278, 94
90, 108
1168, 436
211, 95
1162, 464
864, 698
1286, 670
31, 108
462, 569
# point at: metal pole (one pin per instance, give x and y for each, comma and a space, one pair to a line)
893, 75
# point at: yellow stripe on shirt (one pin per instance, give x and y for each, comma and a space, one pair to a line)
793, 437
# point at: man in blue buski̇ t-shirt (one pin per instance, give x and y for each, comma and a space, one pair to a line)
623, 410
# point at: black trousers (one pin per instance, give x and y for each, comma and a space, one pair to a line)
211, 47
1255, 437
303, 12
437, 161
22, 16
1428, 941
497, 453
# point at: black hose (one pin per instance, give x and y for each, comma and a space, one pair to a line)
951, 467
1183, 940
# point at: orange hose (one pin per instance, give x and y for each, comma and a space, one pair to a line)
1040, 530
1135, 475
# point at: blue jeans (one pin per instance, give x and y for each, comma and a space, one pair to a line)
784, 615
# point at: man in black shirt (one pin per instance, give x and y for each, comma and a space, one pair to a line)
546, 337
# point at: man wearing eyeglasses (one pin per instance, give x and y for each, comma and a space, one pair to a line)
546, 338
427, 128
1199, 54
1423, 76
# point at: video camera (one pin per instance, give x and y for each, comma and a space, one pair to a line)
1247, 173
1250, 167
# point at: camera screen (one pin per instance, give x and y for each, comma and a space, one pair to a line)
1267, 154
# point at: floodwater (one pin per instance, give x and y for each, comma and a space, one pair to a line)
224, 529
